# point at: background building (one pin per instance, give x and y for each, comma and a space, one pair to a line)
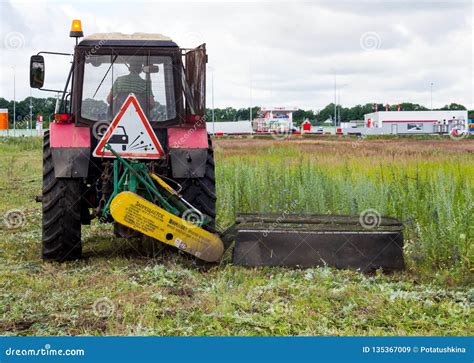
414, 122
3, 119
276, 119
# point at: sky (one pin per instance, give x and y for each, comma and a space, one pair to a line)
271, 53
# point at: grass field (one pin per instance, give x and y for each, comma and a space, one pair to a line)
119, 290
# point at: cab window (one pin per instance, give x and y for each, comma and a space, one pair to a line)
109, 79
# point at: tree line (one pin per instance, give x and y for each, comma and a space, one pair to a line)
40, 106
318, 117
45, 107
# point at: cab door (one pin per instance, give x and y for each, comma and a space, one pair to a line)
195, 73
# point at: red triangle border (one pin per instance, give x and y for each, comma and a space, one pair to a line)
131, 99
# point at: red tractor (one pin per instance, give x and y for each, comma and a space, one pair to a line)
169, 83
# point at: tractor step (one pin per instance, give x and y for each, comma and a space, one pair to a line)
339, 241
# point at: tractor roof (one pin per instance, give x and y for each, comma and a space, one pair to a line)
135, 39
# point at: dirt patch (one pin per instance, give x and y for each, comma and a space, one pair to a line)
18, 325
88, 325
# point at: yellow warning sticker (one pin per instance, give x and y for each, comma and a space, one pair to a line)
135, 212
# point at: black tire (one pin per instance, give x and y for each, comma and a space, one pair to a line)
201, 192
61, 212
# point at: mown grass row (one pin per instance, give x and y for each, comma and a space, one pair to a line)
434, 199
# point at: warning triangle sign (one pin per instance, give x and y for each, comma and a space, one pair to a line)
130, 134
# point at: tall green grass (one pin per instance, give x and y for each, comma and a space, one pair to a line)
17, 144
434, 199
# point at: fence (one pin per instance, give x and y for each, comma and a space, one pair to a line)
21, 132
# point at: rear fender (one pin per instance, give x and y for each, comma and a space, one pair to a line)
70, 150
188, 151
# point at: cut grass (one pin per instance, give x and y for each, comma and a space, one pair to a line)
427, 181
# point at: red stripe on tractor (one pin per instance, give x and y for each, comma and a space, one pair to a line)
68, 135
187, 137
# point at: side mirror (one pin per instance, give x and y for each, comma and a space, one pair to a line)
96, 61
36, 71
151, 69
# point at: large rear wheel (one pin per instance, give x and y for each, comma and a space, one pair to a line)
61, 212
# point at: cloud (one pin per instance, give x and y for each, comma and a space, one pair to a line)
276, 53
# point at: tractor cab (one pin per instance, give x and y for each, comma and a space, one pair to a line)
111, 66
131, 113
168, 81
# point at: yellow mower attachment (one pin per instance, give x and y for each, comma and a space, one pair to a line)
137, 213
